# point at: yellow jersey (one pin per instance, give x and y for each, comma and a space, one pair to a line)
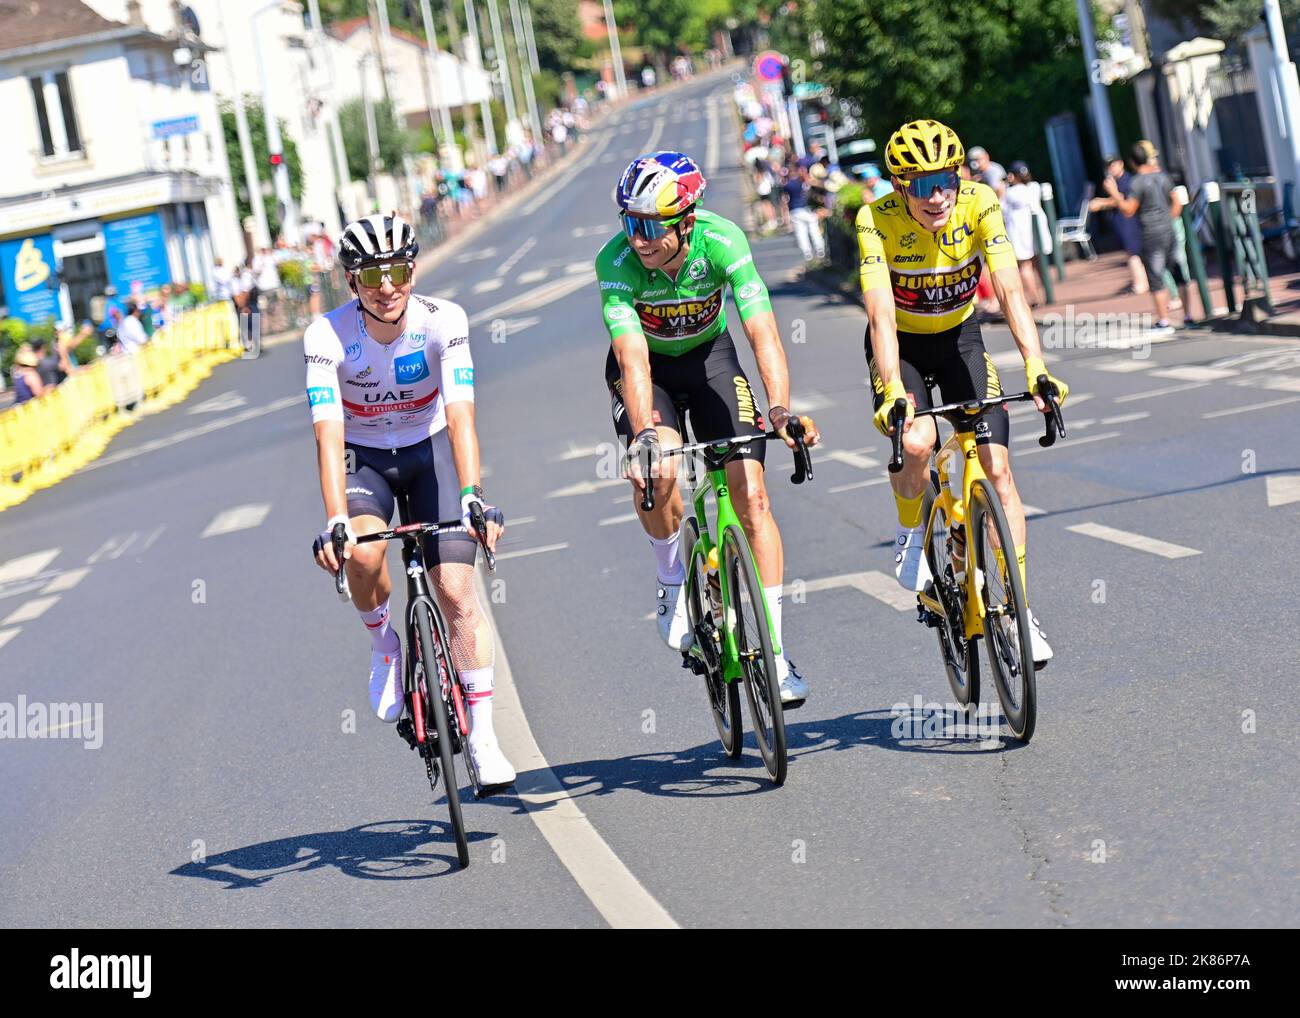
933, 275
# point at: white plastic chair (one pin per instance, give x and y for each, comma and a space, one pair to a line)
1075, 229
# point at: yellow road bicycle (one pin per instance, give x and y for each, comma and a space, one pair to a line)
974, 593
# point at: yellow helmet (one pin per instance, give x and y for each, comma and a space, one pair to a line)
923, 145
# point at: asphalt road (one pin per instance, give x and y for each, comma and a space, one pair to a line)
240, 780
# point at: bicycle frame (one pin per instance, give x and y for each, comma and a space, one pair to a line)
715, 481
960, 447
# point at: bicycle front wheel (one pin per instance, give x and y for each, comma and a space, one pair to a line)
960, 660
724, 696
746, 618
1006, 612
428, 661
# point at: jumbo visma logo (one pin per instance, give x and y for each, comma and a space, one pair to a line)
679, 318
411, 368
30, 270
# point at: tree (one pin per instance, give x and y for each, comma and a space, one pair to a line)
256, 118
561, 46
662, 26
393, 142
1228, 20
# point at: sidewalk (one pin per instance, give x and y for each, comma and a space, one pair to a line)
1097, 288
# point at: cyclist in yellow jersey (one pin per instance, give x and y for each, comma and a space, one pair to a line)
922, 251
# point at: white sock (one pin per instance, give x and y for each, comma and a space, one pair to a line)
478, 691
382, 636
773, 595
667, 561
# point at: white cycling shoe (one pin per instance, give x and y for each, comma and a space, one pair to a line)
1038, 645
386, 684
910, 567
670, 613
794, 690
492, 766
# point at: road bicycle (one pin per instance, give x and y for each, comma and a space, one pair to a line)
435, 719
974, 594
727, 612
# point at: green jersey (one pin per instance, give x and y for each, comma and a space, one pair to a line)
677, 315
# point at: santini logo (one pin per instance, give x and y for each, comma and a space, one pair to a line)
102, 972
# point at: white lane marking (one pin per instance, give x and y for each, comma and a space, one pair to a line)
202, 429
531, 276
219, 404
575, 452
1032, 510
859, 484
478, 256
1121, 366
811, 400
872, 583
26, 566
523, 552
1028, 409
1281, 383
240, 517
573, 267
850, 457
65, 581
1087, 422
153, 536
1282, 490
602, 876
1253, 406
536, 298
1126, 418
1138, 542
521, 521
1194, 373
610, 521
487, 285
31, 610
592, 231
1004, 359
653, 141
513, 260
514, 325
565, 179
1151, 393
8, 634
711, 145
1067, 443
586, 487
112, 548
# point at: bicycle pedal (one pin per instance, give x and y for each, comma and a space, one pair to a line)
792, 704
488, 790
407, 731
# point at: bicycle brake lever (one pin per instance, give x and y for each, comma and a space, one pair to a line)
479, 522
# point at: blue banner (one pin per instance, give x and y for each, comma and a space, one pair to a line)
136, 254
175, 126
31, 286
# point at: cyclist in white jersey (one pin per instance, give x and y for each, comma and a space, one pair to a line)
390, 381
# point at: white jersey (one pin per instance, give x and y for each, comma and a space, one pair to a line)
389, 395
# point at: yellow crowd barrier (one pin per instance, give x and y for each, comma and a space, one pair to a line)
45, 440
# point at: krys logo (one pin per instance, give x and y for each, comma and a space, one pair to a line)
353, 352
411, 368
30, 270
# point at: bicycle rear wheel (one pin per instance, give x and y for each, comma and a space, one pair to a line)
746, 617
428, 658
1006, 612
960, 660
724, 696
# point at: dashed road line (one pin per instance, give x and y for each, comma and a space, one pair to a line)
1122, 366
488, 285
240, 517
1247, 409
8, 634
1282, 490
531, 276
1138, 542
1194, 373
524, 552
836, 489
610, 521
1068, 443
513, 260
26, 566
586, 487
31, 610
1152, 393
1127, 418
65, 581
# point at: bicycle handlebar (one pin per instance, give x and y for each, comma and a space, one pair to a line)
407, 531
1054, 422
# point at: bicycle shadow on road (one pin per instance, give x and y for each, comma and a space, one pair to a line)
705, 771
382, 850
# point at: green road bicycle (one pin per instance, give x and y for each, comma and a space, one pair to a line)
973, 592
728, 614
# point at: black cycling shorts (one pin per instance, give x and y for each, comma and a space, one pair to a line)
957, 362
426, 473
707, 383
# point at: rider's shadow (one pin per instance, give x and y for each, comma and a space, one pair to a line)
704, 770
383, 850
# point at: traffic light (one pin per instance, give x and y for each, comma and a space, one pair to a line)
276, 159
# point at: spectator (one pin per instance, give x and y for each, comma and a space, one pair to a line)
1022, 208
265, 273
223, 284
1151, 200
560, 135
27, 380
130, 330
648, 77
807, 225
876, 186
1126, 230
765, 187
48, 364
985, 169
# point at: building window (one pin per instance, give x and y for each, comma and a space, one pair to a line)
55, 114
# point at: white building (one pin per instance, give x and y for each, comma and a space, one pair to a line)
115, 172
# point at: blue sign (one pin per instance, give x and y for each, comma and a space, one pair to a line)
175, 127
31, 286
136, 254
411, 368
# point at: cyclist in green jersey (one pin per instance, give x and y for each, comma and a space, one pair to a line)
663, 283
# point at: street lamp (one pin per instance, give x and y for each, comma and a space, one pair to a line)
289, 226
